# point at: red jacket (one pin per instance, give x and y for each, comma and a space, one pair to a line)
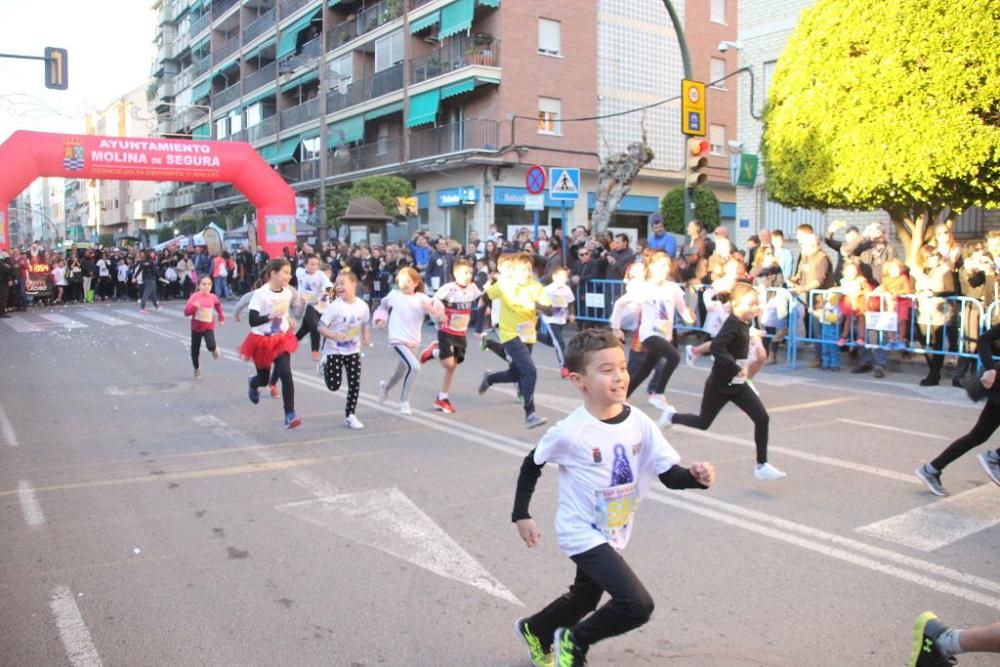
217, 263
197, 302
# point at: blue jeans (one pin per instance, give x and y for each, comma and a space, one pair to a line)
875, 356
830, 353
521, 370
221, 288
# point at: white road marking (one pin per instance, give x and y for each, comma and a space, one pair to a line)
7, 429
810, 404
389, 521
64, 321
148, 317
72, 630
22, 325
102, 318
33, 515
896, 429
161, 333
941, 522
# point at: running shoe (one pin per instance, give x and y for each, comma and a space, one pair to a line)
658, 401
766, 471
197, 374
253, 393
541, 655
925, 652
485, 384
932, 480
564, 373
404, 408
383, 392
143, 311
274, 391
158, 309
841, 342
534, 421
428, 352
444, 405
991, 464
292, 420
216, 354
315, 355
567, 652
667, 417
353, 422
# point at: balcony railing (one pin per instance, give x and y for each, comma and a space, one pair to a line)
300, 114
220, 7
289, 7
454, 54
200, 24
203, 194
237, 136
470, 134
202, 65
381, 153
261, 24
366, 20
418, 3
299, 172
227, 49
227, 96
310, 51
265, 128
261, 77
382, 83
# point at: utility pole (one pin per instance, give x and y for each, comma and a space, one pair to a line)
686, 60
322, 230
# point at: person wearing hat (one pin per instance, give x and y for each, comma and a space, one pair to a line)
660, 238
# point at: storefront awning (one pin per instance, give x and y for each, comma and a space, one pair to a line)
458, 88
424, 22
384, 111
345, 131
456, 17
300, 80
290, 34
424, 108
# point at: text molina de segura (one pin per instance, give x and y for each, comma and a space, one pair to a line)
176, 154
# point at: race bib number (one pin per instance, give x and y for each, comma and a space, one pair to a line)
614, 507
203, 315
662, 327
350, 338
309, 297
526, 331
459, 322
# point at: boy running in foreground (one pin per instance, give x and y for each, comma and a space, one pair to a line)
607, 453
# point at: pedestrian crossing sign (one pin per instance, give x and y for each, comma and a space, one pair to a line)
564, 183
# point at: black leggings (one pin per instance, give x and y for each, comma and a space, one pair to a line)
283, 370
196, 338
310, 325
656, 348
986, 425
745, 398
597, 570
333, 373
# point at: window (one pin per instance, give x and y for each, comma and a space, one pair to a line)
341, 71
717, 139
253, 115
717, 12
768, 75
310, 149
235, 121
717, 70
389, 51
383, 139
221, 128
549, 111
548, 37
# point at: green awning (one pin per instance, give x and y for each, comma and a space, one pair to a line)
201, 90
203, 131
458, 88
353, 129
290, 34
424, 108
197, 4
253, 99
268, 152
300, 80
285, 151
489, 3
384, 111
219, 70
456, 18
266, 43
331, 3
424, 22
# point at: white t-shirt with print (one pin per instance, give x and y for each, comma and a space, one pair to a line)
268, 302
123, 273
102, 268
659, 304
406, 315
561, 297
347, 319
604, 471
313, 289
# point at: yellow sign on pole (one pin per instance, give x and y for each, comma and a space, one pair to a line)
693, 108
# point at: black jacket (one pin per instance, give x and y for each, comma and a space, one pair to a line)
732, 343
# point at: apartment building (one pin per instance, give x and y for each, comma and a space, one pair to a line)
460, 96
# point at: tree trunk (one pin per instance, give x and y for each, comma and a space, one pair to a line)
614, 180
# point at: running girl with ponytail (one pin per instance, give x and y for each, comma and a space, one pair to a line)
199, 308
272, 339
728, 380
344, 328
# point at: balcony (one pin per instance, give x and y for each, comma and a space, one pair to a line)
383, 83
267, 127
418, 3
203, 194
302, 113
470, 134
261, 77
454, 54
310, 51
237, 136
383, 153
227, 49
261, 24
201, 66
367, 20
227, 96
300, 172
200, 24
220, 7
289, 7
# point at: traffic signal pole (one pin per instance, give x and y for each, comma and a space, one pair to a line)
56, 66
686, 60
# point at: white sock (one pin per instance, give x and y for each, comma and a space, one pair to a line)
436, 353
948, 642
442, 396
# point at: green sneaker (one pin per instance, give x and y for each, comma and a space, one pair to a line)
567, 652
925, 633
541, 655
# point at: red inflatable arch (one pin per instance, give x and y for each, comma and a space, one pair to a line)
26, 156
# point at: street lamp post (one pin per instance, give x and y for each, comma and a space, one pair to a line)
45, 218
322, 230
686, 60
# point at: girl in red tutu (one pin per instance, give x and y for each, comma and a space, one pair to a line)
272, 337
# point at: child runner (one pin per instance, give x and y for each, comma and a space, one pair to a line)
936, 645
732, 368
271, 340
456, 300
985, 427
561, 297
242, 305
608, 453
344, 327
313, 287
199, 308
521, 299
404, 310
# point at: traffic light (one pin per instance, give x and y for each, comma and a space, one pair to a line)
56, 68
697, 161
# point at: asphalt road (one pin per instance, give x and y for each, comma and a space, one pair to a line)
151, 519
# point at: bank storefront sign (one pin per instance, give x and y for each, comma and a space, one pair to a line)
464, 196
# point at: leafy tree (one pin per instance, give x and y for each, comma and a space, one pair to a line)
706, 209
888, 105
337, 198
385, 189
